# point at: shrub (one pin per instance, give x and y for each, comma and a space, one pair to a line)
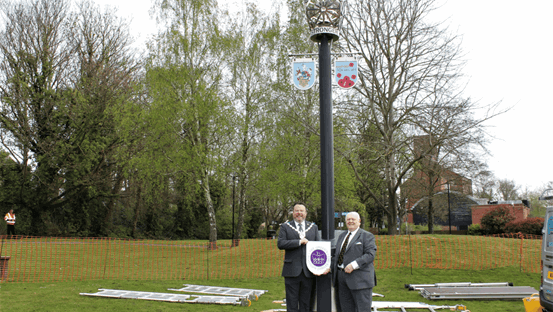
495, 220
436, 227
475, 229
527, 226
420, 227
413, 227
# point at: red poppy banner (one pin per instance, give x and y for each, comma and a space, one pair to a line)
346, 72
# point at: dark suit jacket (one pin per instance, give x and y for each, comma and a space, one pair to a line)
294, 256
362, 248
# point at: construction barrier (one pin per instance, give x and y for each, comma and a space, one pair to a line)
46, 259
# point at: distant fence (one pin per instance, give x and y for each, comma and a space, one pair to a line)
46, 259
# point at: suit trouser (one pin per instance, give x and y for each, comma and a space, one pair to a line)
352, 300
298, 293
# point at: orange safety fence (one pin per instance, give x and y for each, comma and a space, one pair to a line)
46, 259
462, 252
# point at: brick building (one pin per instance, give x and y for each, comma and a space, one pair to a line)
449, 191
455, 205
518, 208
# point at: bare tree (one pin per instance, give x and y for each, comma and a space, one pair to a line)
484, 184
507, 189
439, 171
409, 86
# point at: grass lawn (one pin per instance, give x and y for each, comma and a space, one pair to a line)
64, 296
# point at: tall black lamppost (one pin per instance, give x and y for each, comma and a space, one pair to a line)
325, 21
448, 207
233, 200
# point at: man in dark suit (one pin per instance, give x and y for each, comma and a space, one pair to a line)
352, 267
298, 280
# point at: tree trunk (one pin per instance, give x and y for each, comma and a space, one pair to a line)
116, 189
430, 216
391, 181
210, 213
242, 177
392, 211
136, 211
241, 211
245, 147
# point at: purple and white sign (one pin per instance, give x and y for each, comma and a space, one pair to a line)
318, 257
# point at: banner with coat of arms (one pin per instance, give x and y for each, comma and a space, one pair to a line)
345, 72
303, 73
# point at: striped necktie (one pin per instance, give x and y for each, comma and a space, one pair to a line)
341, 256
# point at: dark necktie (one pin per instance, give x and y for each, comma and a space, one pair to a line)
301, 229
341, 256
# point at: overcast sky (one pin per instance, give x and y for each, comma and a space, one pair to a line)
508, 46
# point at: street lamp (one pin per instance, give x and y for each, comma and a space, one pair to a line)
233, 200
449, 207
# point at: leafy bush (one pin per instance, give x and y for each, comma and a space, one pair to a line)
475, 229
383, 231
412, 228
438, 227
495, 220
420, 227
528, 226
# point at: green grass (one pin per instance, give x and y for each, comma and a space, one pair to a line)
64, 296
47, 274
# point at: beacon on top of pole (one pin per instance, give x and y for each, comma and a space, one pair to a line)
324, 17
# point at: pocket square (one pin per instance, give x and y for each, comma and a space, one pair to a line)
358, 243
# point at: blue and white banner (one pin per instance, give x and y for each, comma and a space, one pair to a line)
303, 73
345, 72
318, 256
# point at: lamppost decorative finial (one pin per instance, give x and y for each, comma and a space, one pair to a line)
324, 17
